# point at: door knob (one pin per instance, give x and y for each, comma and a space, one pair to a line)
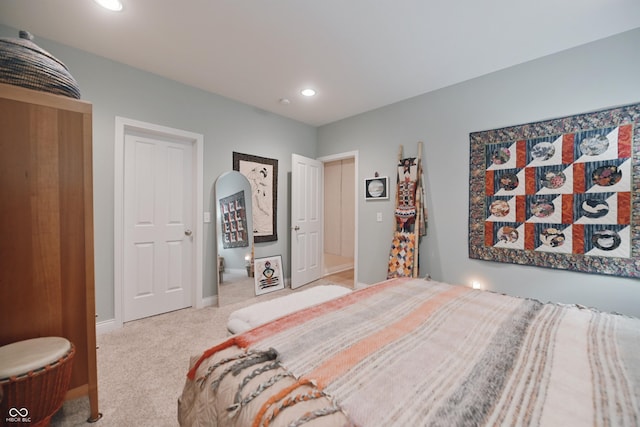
296, 228
188, 232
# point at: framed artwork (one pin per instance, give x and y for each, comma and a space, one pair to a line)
262, 174
268, 274
561, 193
376, 188
234, 221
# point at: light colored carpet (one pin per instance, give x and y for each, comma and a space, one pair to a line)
236, 288
142, 367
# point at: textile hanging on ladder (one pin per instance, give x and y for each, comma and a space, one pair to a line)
410, 217
402, 256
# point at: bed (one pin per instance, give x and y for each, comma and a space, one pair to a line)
411, 352
256, 314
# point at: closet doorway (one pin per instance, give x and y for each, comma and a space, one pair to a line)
340, 225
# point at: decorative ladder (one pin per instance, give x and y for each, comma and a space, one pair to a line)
410, 217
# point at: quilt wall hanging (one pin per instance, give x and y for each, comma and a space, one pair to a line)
561, 193
234, 221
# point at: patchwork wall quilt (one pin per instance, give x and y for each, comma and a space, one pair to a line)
234, 221
561, 193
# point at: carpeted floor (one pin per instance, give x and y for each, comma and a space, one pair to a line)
142, 367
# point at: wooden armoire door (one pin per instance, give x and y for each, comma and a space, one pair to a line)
46, 226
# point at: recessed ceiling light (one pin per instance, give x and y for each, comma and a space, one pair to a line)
114, 5
308, 92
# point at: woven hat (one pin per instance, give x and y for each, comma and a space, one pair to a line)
23, 63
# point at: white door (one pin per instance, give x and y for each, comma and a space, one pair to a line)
306, 220
158, 218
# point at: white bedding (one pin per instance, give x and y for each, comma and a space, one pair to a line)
257, 314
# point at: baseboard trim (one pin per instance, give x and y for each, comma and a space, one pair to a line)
361, 285
209, 301
111, 325
77, 392
107, 326
337, 269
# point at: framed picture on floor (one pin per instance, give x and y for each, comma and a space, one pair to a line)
268, 274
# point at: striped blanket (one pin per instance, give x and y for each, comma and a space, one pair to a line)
409, 352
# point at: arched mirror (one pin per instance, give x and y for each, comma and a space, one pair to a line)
234, 228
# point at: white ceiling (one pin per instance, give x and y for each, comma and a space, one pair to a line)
358, 54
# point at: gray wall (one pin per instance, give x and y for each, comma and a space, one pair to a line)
115, 89
591, 77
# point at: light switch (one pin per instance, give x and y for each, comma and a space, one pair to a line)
379, 217
207, 217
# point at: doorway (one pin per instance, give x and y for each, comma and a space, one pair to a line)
339, 205
340, 218
307, 219
157, 220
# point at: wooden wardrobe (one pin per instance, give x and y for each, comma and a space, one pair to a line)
46, 225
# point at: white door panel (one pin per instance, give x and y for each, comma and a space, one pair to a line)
314, 256
158, 216
306, 227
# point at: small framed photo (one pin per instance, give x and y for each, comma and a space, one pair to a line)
376, 188
268, 274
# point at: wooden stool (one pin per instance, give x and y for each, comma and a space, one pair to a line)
34, 379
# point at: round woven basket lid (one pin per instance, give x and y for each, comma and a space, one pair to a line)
23, 63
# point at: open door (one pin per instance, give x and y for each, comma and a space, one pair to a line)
306, 220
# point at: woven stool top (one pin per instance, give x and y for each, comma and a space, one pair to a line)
21, 357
